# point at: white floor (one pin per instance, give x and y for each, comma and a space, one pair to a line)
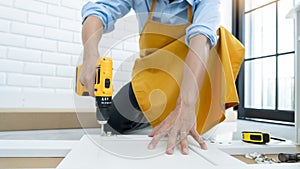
282, 131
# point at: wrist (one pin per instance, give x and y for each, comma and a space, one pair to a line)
90, 58
188, 99
90, 49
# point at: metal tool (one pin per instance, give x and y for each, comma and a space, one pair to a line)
290, 158
103, 90
260, 158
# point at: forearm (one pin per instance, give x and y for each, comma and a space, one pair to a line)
194, 69
91, 34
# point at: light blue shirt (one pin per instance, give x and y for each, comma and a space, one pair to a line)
206, 14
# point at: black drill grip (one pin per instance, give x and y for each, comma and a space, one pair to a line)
291, 158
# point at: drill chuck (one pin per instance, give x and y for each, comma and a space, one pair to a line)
103, 108
102, 115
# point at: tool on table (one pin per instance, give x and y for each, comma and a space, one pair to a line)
290, 158
260, 158
258, 137
103, 90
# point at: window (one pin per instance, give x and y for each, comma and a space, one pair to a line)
266, 82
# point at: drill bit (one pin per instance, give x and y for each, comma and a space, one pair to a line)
102, 123
102, 118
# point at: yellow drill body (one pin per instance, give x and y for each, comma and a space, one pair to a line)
103, 82
103, 89
103, 79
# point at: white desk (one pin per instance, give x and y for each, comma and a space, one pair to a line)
131, 151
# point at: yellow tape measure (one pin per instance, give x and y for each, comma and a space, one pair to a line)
258, 137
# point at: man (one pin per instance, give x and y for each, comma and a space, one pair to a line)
175, 42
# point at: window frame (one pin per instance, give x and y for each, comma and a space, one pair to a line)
238, 25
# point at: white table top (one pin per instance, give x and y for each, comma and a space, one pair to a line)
131, 151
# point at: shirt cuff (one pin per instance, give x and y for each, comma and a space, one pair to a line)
194, 30
89, 10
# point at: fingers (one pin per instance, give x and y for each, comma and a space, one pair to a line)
184, 143
157, 133
91, 88
198, 138
202, 144
88, 81
155, 140
162, 128
172, 138
171, 141
178, 126
155, 130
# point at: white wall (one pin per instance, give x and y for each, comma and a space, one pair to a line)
40, 45
226, 14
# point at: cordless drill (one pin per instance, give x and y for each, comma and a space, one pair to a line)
103, 89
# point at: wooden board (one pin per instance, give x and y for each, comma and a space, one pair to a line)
39, 119
29, 162
250, 161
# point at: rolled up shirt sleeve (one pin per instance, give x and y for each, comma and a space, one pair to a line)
107, 11
206, 20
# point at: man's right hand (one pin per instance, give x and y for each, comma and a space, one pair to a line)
88, 74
